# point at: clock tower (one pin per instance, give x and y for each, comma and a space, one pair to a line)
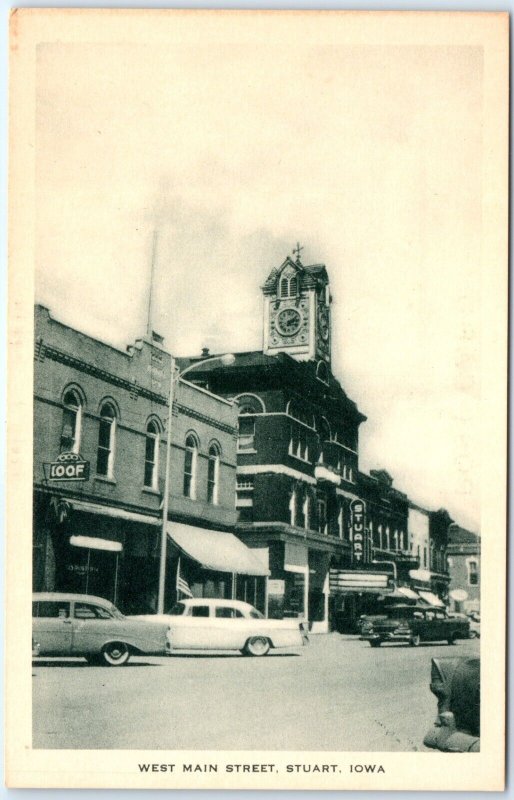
297, 311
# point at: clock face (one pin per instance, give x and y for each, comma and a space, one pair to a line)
289, 321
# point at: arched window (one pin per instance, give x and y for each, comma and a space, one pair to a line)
292, 508
71, 422
106, 441
322, 516
152, 455
213, 470
340, 520
190, 462
306, 511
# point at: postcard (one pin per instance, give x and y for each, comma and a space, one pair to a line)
257, 400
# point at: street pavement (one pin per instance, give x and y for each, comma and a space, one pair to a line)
337, 694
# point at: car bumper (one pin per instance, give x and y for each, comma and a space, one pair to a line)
385, 637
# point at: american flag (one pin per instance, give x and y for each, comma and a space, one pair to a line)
182, 585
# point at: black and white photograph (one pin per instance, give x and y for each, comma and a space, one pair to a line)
257, 399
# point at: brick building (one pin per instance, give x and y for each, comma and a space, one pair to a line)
102, 535
337, 539
464, 568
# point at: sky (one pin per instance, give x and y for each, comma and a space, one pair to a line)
213, 160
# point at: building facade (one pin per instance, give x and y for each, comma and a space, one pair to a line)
337, 539
105, 411
464, 568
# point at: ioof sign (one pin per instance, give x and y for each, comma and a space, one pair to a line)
68, 467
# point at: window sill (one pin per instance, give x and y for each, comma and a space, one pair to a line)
149, 490
105, 479
246, 450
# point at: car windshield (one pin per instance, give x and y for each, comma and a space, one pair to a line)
254, 614
177, 610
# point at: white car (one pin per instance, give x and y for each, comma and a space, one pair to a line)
215, 624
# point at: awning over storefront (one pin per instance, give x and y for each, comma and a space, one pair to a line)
95, 543
431, 599
112, 511
216, 550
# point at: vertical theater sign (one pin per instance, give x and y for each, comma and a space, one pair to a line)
360, 545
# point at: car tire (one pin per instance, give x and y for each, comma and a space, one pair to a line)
415, 640
376, 643
115, 654
473, 635
257, 646
452, 639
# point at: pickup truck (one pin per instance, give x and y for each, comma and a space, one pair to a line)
413, 624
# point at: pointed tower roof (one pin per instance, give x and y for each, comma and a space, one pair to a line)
309, 276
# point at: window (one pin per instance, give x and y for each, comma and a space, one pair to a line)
178, 610
472, 572
298, 445
322, 516
213, 474
340, 521
244, 491
246, 440
106, 436
151, 455
190, 459
306, 512
225, 612
288, 286
199, 611
87, 611
51, 609
292, 508
71, 422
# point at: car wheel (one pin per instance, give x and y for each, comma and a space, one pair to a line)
115, 654
473, 635
257, 646
415, 640
451, 639
376, 643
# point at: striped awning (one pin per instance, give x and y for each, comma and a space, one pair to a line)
216, 550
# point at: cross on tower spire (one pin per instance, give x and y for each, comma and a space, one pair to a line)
297, 250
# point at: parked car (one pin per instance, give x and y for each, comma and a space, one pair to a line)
474, 626
456, 684
84, 625
215, 624
414, 624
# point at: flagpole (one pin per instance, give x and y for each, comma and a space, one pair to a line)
165, 501
150, 292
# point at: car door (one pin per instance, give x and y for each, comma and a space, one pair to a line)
192, 630
229, 628
432, 626
51, 627
92, 626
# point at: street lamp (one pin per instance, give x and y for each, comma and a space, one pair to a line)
175, 376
